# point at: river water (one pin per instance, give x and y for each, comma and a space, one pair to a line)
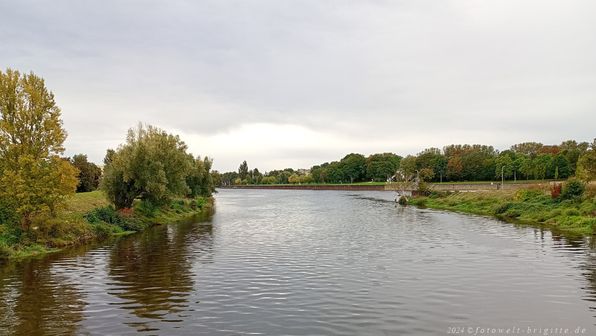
310, 263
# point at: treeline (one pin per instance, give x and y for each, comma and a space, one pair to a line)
152, 166
453, 163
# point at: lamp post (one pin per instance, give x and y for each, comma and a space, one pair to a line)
502, 176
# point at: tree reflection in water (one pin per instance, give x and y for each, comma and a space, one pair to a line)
37, 297
152, 273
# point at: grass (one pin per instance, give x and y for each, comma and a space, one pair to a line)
89, 217
532, 207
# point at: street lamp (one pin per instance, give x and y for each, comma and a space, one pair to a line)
502, 176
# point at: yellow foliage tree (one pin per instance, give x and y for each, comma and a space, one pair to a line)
32, 174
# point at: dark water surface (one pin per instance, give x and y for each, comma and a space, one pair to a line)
309, 263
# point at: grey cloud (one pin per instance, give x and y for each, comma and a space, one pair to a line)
473, 71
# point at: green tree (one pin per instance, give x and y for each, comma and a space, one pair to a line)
407, 165
431, 158
89, 173
32, 174
541, 165
319, 173
380, 167
353, 167
152, 165
243, 170
109, 156
560, 167
199, 178
216, 177
228, 178
255, 176
269, 180
504, 165
294, 178
334, 173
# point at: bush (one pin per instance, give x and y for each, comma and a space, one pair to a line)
110, 215
573, 190
107, 214
403, 200
146, 208
526, 195
10, 234
555, 190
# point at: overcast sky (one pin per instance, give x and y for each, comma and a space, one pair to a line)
284, 83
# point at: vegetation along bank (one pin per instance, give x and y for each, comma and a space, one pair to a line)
568, 208
149, 179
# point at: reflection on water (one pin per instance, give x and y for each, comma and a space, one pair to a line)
308, 263
35, 298
152, 273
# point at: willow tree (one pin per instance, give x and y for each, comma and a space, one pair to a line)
152, 165
33, 177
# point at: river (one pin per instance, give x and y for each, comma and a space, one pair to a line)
278, 262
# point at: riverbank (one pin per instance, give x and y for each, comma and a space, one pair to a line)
372, 186
88, 217
380, 186
531, 207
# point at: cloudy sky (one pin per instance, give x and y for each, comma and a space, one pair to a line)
283, 83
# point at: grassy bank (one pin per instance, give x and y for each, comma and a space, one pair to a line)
88, 217
523, 206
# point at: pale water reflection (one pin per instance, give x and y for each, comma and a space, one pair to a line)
308, 263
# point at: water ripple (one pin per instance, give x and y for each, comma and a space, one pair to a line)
307, 263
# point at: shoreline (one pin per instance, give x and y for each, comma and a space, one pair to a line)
564, 217
86, 232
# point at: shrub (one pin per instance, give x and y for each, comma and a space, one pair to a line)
107, 214
123, 219
555, 190
573, 190
403, 200
572, 212
146, 208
